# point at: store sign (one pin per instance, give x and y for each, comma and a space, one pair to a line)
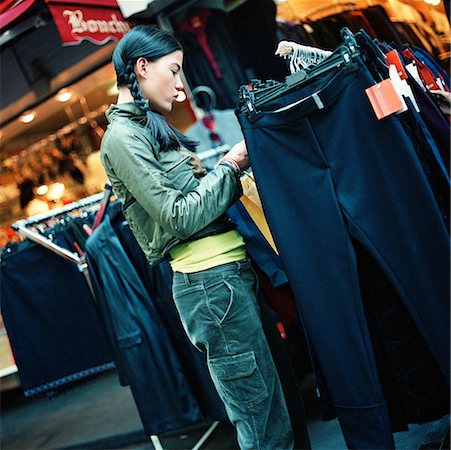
98, 25
10, 11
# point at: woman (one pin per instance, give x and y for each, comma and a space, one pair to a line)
174, 214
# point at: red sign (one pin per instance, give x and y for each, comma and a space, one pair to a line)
80, 21
9, 12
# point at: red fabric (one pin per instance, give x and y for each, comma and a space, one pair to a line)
97, 21
426, 74
195, 24
12, 13
280, 299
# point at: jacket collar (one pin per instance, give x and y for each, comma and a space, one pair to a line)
125, 110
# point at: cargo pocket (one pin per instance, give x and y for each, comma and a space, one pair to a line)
238, 380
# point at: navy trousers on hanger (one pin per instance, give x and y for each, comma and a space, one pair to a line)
327, 171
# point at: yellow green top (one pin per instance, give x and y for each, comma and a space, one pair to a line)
208, 252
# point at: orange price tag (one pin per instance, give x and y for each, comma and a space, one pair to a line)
384, 99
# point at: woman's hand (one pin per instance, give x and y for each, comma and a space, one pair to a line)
239, 154
443, 101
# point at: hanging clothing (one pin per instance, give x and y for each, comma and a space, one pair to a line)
380, 21
345, 186
413, 385
257, 246
433, 65
425, 146
211, 55
53, 324
254, 27
157, 280
288, 379
195, 24
436, 122
142, 346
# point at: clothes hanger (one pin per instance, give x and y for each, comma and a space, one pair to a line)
301, 56
257, 94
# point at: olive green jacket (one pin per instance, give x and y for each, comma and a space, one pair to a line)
163, 202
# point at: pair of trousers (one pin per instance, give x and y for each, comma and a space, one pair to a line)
219, 311
327, 171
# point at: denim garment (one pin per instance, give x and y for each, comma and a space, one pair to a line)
144, 352
53, 324
219, 311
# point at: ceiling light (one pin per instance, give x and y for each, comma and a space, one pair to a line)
432, 2
28, 116
42, 190
55, 192
64, 95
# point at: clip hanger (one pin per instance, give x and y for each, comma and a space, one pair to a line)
253, 97
247, 96
349, 39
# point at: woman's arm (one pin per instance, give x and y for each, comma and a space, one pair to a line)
134, 163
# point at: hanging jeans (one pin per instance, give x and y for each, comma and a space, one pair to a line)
53, 325
327, 171
221, 316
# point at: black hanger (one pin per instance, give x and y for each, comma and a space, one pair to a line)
254, 96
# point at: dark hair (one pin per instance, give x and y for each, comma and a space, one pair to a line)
149, 42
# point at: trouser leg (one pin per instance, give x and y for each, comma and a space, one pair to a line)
219, 310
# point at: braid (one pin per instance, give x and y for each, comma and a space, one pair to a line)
133, 86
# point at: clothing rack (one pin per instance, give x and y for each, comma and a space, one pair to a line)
103, 198
217, 151
21, 226
58, 211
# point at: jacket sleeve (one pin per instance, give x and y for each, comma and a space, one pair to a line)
133, 161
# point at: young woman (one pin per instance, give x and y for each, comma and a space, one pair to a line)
175, 214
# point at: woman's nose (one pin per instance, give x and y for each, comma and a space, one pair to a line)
179, 84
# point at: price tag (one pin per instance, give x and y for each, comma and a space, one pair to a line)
384, 99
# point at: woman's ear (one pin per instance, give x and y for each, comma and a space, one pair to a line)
141, 67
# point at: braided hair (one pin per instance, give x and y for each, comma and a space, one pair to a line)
151, 43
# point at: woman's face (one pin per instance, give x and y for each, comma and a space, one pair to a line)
160, 80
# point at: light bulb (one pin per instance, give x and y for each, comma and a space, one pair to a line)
64, 95
28, 116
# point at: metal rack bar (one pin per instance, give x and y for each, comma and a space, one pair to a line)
57, 211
